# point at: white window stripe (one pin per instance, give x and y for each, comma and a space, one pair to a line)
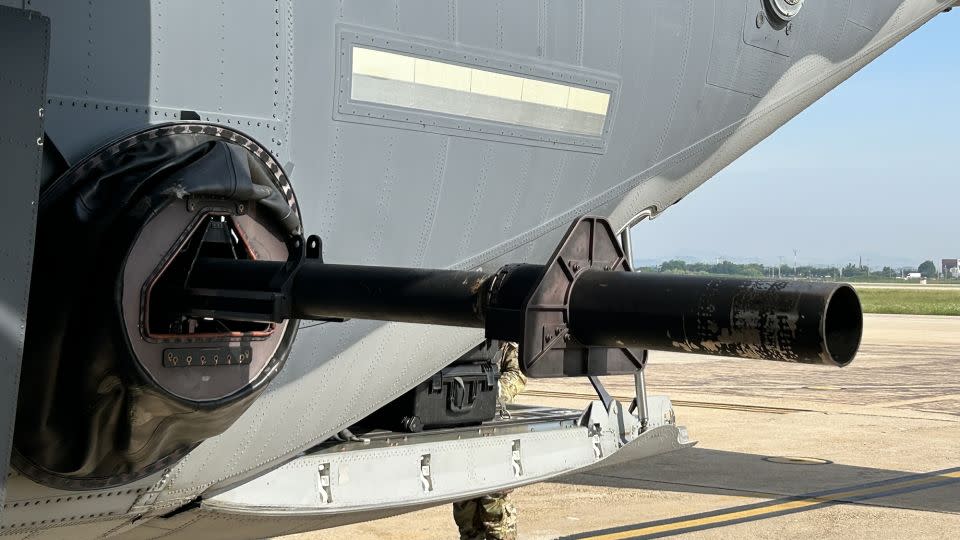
393, 79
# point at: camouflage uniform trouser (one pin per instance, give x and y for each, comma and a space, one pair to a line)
493, 516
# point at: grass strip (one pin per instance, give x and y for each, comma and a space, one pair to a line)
911, 301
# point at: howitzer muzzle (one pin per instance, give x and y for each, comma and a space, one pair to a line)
787, 321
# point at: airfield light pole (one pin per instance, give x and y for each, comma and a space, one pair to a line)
795, 263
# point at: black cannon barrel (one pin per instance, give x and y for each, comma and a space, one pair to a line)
790, 321
417, 295
382, 293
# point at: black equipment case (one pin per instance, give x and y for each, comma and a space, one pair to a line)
461, 394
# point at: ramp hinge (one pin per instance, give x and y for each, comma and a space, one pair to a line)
325, 485
517, 459
426, 478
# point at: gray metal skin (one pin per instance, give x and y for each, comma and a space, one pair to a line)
335, 486
695, 85
23, 88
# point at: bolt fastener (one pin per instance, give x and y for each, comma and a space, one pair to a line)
789, 28
760, 19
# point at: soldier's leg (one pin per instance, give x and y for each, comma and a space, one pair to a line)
466, 516
497, 517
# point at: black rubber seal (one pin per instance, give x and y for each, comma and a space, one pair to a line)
88, 417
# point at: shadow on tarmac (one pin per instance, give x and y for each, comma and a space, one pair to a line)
715, 472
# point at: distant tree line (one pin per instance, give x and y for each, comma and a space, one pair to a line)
728, 268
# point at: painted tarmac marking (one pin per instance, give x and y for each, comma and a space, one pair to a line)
779, 507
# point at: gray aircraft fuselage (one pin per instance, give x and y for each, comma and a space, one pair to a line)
417, 155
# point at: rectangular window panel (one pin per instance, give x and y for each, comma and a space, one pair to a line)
398, 80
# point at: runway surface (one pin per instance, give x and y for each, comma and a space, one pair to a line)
785, 451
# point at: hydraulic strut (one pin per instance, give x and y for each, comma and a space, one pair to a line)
572, 311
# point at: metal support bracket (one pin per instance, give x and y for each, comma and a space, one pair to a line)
546, 347
276, 295
641, 403
602, 393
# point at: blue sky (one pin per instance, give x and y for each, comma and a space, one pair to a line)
871, 170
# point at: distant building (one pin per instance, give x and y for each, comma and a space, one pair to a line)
950, 267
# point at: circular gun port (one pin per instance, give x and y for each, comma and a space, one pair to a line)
843, 325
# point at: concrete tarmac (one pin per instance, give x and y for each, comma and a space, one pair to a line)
785, 451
